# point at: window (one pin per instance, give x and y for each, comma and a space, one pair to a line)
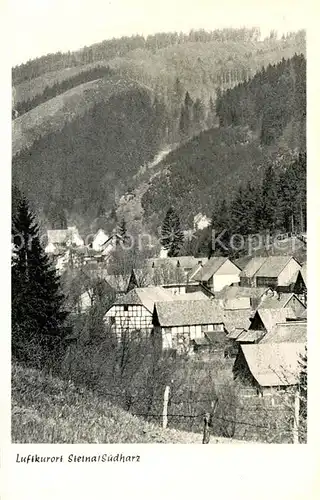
126, 307
112, 320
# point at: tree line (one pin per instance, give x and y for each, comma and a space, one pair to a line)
276, 205
119, 47
268, 101
60, 87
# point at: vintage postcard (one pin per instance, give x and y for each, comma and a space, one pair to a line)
159, 237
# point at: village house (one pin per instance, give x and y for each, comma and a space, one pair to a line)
269, 367
289, 331
233, 293
276, 300
217, 273
262, 323
99, 240
156, 276
274, 271
133, 311
185, 263
172, 279
247, 275
61, 239
186, 326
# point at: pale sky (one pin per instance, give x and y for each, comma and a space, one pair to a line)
42, 26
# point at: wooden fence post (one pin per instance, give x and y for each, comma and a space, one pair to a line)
165, 407
206, 429
295, 429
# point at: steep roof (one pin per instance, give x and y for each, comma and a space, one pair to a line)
277, 302
290, 331
199, 312
252, 267
270, 317
145, 296
148, 296
236, 318
186, 312
274, 364
241, 262
273, 266
209, 269
236, 291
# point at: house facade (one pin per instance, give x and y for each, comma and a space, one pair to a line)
262, 323
178, 324
275, 300
268, 367
274, 271
134, 310
217, 273
182, 326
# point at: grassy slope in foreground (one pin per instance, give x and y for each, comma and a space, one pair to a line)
50, 410
52, 115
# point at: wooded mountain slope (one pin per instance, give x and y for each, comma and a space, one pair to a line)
262, 121
88, 153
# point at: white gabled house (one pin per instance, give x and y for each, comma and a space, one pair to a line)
217, 273
99, 240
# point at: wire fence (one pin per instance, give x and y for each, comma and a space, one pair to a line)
246, 420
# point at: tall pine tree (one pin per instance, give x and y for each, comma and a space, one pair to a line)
171, 233
37, 301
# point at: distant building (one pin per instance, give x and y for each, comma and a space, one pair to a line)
276, 300
233, 293
201, 221
217, 273
186, 326
268, 367
99, 240
185, 263
274, 271
133, 311
262, 323
61, 239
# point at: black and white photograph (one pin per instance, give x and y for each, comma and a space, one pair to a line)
159, 288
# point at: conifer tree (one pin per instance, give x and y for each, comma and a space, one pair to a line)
171, 233
122, 231
37, 302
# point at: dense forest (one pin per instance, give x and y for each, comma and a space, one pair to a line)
78, 170
269, 101
118, 47
252, 134
225, 127
275, 205
59, 87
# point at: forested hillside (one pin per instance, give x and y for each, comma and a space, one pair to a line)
262, 122
77, 169
104, 112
